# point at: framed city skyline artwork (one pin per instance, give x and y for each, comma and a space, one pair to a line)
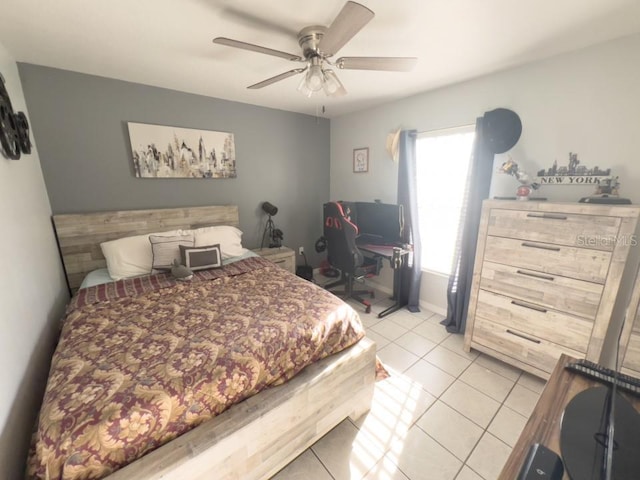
172, 152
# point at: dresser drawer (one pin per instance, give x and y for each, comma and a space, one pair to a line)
560, 293
561, 328
519, 345
592, 231
580, 263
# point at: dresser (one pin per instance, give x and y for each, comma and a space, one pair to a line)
282, 256
548, 280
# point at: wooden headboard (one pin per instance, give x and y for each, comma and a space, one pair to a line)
80, 234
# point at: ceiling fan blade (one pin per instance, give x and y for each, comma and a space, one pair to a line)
277, 78
391, 64
255, 48
349, 21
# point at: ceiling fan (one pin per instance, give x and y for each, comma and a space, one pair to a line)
318, 45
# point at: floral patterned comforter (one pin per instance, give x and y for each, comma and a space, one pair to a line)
140, 362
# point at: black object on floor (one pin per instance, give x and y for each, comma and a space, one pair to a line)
305, 271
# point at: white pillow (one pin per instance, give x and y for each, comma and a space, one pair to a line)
130, 256
229, 238
166, 248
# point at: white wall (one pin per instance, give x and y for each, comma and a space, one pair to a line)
32, 291
586, 102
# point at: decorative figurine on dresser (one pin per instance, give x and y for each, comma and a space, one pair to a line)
547, 280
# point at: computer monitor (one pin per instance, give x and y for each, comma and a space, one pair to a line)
380, 223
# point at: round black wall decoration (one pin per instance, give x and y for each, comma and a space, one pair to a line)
502, 129
14, 127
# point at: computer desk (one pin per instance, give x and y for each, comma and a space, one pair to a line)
397, 258
545, 421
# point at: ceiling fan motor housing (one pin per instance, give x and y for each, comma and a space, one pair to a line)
309, 39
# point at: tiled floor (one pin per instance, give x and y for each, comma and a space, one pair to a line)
444, 414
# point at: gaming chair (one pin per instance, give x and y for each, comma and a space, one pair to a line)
340, 235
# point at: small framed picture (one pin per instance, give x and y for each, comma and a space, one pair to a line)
360, 160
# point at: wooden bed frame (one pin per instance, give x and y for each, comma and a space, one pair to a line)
259, 436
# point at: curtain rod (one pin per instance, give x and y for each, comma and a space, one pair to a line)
441, 131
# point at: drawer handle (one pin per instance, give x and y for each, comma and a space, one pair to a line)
279, 261
535, 275
542, 247
517, 334
551, 216
529, 306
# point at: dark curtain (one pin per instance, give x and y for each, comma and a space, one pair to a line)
407, 197
477, 189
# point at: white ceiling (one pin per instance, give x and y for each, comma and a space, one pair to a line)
167, 43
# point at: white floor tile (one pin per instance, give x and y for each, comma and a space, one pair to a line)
397, 403
467, 474
488, 382
532, 382
420, 457
396, 357
507, 425
369, 320
406, 318
446, 360
489, 457
346, 452
385, 469
431, 331
432, 379
455, 343
450, 429
305, 467
498, 367
416, 344
436, 318
381, 341
474, 405
389, 329
522, 400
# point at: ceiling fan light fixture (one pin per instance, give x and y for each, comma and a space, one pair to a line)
314, 78
332, 85
303, 89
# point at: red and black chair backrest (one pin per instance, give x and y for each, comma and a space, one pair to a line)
340, 233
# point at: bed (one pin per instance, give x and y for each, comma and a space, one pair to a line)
254, 437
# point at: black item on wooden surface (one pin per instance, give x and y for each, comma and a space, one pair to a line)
541, 464
583, 436
606, 199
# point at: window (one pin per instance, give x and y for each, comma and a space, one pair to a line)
442, 159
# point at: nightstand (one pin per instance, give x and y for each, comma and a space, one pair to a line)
282, 256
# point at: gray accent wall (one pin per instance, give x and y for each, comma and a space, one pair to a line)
81, 124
